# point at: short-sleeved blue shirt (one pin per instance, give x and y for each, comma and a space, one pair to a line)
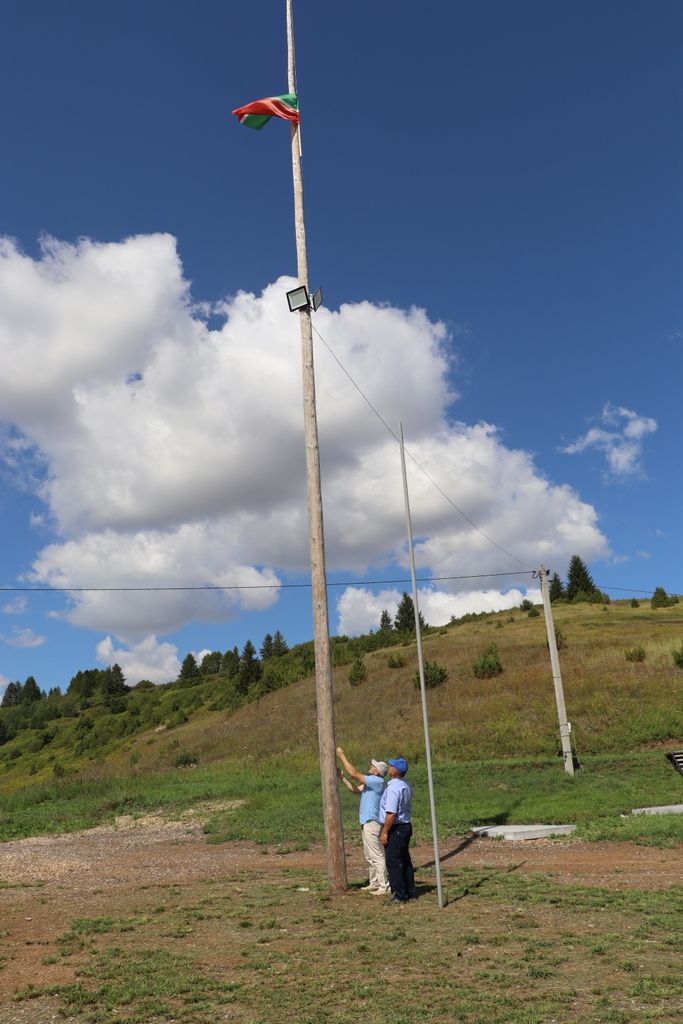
397, 799
370, 798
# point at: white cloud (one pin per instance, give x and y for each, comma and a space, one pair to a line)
168, 453
622, 446
359, 610
24, 638
15, 607
4, 683
149, 659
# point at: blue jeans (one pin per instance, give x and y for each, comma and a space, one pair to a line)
399, 865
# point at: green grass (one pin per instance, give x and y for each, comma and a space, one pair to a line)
282, 803
508, 949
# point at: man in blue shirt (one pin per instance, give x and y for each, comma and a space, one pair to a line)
370, 788
395, 815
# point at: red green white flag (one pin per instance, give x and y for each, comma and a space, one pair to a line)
258, 113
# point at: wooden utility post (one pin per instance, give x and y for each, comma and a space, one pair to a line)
557, 675
336, 859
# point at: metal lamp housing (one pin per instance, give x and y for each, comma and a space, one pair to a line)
298, 299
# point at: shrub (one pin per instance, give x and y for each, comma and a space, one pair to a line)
395, 661
560, 639
186, 760
677, 655
488, 663
435, 675
526, 605
660, 599
635, 603
533, 612
635, 654
358, 672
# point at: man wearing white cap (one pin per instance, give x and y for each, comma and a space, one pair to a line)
370, 788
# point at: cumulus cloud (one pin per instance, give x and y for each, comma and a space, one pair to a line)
149, 659
622, 445
24, 638
359, 610
14, 607
170, 453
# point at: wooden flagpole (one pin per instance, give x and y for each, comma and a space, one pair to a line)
336, 860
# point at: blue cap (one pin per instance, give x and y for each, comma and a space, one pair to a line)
399, 763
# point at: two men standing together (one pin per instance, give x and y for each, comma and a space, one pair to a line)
385, 818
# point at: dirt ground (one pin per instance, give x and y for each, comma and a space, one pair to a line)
46, 882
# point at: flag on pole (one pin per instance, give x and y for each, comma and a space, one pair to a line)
258, 113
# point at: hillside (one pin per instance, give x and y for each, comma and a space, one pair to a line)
614, 704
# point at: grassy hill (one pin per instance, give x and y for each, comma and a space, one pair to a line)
614, 704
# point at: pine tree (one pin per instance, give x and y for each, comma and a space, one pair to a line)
189, 671
405, 616
556, 590
12, 695
579, 580
114, 688
250, 668
385, 623
3, 733
266, 647
280, 645
230, 663
30, 691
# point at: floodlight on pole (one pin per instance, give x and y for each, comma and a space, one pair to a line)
317, 299
298, 299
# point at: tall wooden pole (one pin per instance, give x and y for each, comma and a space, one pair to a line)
557, 675
336, 860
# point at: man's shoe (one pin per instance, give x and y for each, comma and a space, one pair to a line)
368, 888
381, 892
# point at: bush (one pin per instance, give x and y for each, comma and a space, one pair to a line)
395, 661
635, 603
488, 664
533, 612
358, 672
677, 655
660, 599
635, 654
526, 605
186, 760
435, 675
560, 639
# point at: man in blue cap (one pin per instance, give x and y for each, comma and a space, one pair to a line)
395, 814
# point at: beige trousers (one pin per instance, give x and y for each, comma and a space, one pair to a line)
374, 855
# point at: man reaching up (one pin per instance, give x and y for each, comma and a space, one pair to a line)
370, 788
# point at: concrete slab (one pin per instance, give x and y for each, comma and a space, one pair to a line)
517, 832
668, 809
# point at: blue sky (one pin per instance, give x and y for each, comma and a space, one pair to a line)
494, 210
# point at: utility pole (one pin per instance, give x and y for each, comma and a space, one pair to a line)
542, 574
334, 835
421, 670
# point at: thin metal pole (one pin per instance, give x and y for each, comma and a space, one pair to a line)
334, 834
423, 689
557, 675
